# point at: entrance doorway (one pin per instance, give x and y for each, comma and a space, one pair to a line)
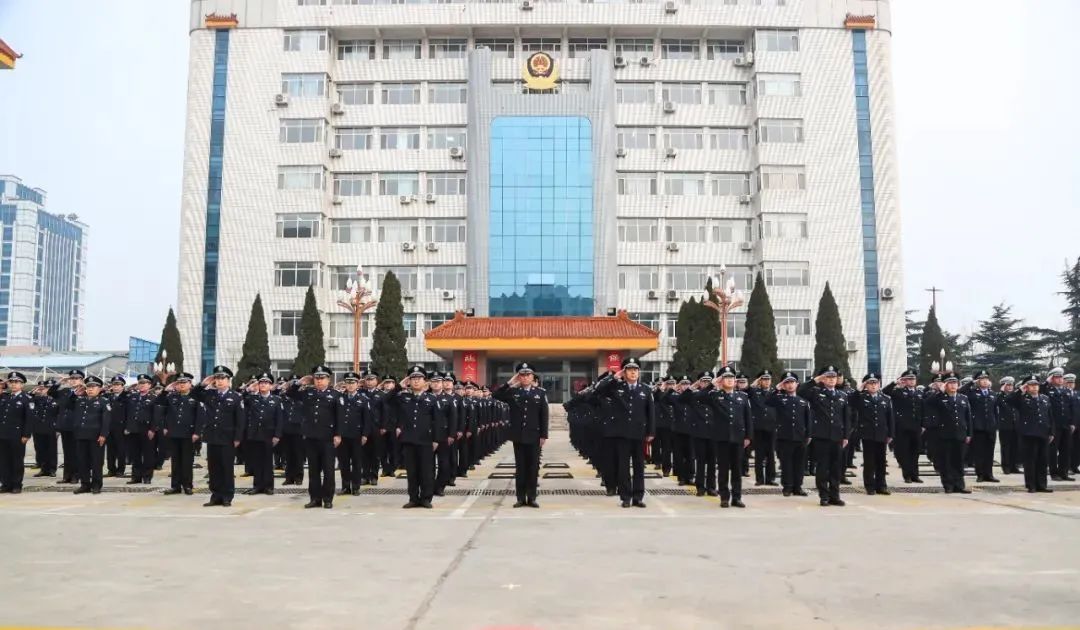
560, 378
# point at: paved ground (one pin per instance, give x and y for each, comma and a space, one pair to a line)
926, 560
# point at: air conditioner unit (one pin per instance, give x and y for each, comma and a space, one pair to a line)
447, 295
746, 246
335, 152
672, 295
887, 293
432, 247
336, 200
620, 62
653, 294
669, 107
526, 5
456, 153
670, 152
408, 246
407, 295
673, 247
429, 198
670, 7
851, 346
744, 61
620, 152
746, 198
332, 343
644, 61
337, 109
405, 199
281, 100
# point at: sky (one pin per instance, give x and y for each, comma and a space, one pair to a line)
986, 128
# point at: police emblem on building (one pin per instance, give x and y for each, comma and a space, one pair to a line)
540, 72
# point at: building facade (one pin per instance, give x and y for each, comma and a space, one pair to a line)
651, 145
42, 271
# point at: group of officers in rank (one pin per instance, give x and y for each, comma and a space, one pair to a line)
438, 427
702, 431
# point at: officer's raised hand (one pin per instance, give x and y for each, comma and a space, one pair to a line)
619, 375
101, 440
337, 441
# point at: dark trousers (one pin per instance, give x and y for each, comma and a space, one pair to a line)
446, 465
729, 467
259, 455
220, 459
906, 448
45, 452
873, 471
392, 454
951, 464
663, 450
829, 458
419, 467
12, 453
71, 458
982, 453
1010, 450
294, 457
1074, 454
142, 454
705, 464
371, 458
90, 458
792, 463
350, 463
682, 458
764, 456
161, 445
320, 457
464, 455
630, 455
526, 470
609, 449
115, 456
1035, 464
1058, 452
182, 452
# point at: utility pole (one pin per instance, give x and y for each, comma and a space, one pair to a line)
933, 296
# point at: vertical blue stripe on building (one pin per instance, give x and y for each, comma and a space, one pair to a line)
868, 208
213, 201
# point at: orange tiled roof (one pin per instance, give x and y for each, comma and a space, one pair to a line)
618, 327
860, 21
7, 55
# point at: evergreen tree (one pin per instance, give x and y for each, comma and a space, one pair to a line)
310, 350
759, 341
679, 365
914, 337
1007, 347
697, 345
255, 356
1071, 279
933, 340
388, 355
830, 347
171, 345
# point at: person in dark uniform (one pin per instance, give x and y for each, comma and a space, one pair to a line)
442, 387
178, 415
61, 392
764, 440
91, 415
419, 430
45, 414
528, 430
115, 444
607, 442
1062, 416
1035, 426
265, 419
469, 416
222, 431
952, 417
356, 428
872, 415
319, 406
662, 448
907, 403
701, 427
291, 438
1006, 415
830, 428
16, 427
792, 415
1074, 448
682, 429
732, 426
392, 457
984, 424
635, 425
139, 430
372, 450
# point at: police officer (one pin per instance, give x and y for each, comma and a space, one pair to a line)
138, 425
16, 426
61, 392
682, 417
373, 450
732, 427
178, 415
952, 417
222, 431
635, 424
265, 418
45, 414
872, 414
115, 443
291, 438
907, 404
419, 430
1074, 448
442, 388
764, 441
469, 417
91, 415
1006, 415
356, 428
321, 433
830, 428
1034, 423
792, 415
662, 446
701, 430
1064, 423
528, 430
984, 424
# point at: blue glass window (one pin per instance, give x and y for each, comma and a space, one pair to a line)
213, 200
869, 211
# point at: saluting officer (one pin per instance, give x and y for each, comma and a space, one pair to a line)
139, 430
16, 420
1006, 415
1064, 423
373, 450
1035, 425
732, 427
265, 418
91, 415
830, 428
321, 433
419, 431
291, 438
662, 445
907, 403
442, 386
984, 423
952, 418
764, 441
528, 430
792, 415
682, 417
179, 414
222, 431
61, 392
701, 430
115, 443
635, 423
469, 418
46, 411
872, 414
356, 428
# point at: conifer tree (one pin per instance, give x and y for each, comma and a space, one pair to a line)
310, 350
830, 346
388, 354
255, 356
759, 341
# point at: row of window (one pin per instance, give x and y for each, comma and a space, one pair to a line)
788, 323
314, 85
340, 325
713, 184
308, 273
721, 230
323, 3
392, 138
719, 139
694, 277
311, 225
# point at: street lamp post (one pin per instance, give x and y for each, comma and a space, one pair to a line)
358, 300
724, 297
938, 367
164, 370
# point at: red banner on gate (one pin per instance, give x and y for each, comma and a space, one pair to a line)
469, 370
614, 361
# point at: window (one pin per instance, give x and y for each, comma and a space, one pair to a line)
399, 138
725, 48
636, 138
651, 320
401, 49
685, 184
801, 367
445, 137
635, 93
399, 184
690, 138
392, 231
580, 46
680, 49
784, 226
340, 276
296, 274
783, 178
445, 278
299, 225
350, 231
341, 326
400, 93
356, 93
552, 45
446, 183
301, 130
778, 3
778, 40
638, 230
682, 93
310, 3
791, 323
743, 277
356, 50
684, 230
434, 320
446, 92
408, 320
444, 231
787, 275
405, 275
727, 94
637, 183
729, 139
779, 85
731, 231
305, 41
639, 278
300, 178
304, 85
500, 46
780, 130
447, 48
736, 325
670, 324
686, 278
287, 323
634, 48
353, 138
352, 184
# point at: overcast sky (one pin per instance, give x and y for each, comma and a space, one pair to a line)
985, 108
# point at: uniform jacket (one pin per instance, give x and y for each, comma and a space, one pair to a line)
46, 413
448, 407
291, 412
1061, 405
763, 415
1006, 413
178, 414
90, 417
354, 416
872, 416
663, 411
700, 414
265, 417
983, 408
225, 418
118, 402
792, 416
1033, 414
907, 403
829, 412
528, 412
139, 412
61, 395
375, 403
951, 415
731, 419
318, 411
418, 417
16, 415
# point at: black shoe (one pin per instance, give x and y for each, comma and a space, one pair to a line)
132, 482
534, 504
1031, 490
1065, 478
356, 492
16, 491
1044, 490
226, 504
700, 493
64, 482
759, 483
95, 490
269, 491
964, 491
738, 503
451, 483
1056, 478
626, 504
884, 491
787, 493
711, 493
440, 493
917, 480
519, 504
211, 503
312, 504
844, 482
611, 492
824, 503
871, 492
343, 491
374, 481
426, 505
771, 483
907, 479
148, 480
799, 492
41, 474
328, 505
837, 502
172, 491
639, 504
725, 503
189, 491
992, 480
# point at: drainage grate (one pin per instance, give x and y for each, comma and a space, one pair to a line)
556, 465
504, 465
499, 475
558, 475
653, 475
